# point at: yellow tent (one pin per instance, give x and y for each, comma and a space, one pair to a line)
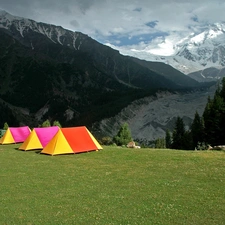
15, 135
58, 145
71, 140
39, 138
7, 138
32, 142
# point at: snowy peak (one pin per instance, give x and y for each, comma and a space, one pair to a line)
7, 20
211, 36
195, 52
201, 50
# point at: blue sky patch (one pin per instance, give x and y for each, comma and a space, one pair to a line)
138, 9
152, 24
195, 18
126, 40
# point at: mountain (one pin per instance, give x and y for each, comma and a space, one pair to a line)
199, 55
168, 72
208, 75
48, 72
202, 50
150, 117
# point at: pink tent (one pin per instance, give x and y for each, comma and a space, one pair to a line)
39, 138
15, 135
45, 134
20, 133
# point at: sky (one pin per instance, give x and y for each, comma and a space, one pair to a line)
152, 26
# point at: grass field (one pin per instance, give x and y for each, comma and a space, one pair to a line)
112, 186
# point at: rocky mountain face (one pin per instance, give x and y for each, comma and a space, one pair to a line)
48, 72
208, 75
150, 117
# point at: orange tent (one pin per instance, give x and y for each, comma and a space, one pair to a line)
71, 140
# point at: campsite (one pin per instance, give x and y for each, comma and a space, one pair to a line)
113, 112
114, 185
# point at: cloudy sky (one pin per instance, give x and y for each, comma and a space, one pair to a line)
152, 26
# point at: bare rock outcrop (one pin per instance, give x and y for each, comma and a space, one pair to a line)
150, 117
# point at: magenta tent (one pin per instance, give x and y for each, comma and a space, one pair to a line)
15, 135
39, 138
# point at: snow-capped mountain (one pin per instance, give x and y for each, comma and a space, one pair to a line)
201, 51
196, 52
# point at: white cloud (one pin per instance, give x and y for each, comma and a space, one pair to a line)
164, 48
117, 21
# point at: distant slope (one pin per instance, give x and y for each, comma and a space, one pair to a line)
208, 75
170, 73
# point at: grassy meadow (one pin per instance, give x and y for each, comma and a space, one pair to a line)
112, 186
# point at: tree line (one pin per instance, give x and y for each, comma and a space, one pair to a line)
46, 123
206, 130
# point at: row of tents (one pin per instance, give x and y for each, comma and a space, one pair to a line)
52, 140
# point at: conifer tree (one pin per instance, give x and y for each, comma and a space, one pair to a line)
178, 134
208, 119
214, 117
46, 123
6, 126
168, 139
197, 130
222, 119
56, 123
187, 142
160, 143
123, 136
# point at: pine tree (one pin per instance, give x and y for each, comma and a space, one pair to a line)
197, 130
6, 126
178, 134
168, 139
222, 119
123, 136
160, 143
222, 91
214, 117
56, 123
208, 120
187, 142
218, 111
46, 123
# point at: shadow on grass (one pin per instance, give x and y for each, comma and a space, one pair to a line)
37, 151
72, 153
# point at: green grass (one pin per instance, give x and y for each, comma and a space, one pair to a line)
112, 186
